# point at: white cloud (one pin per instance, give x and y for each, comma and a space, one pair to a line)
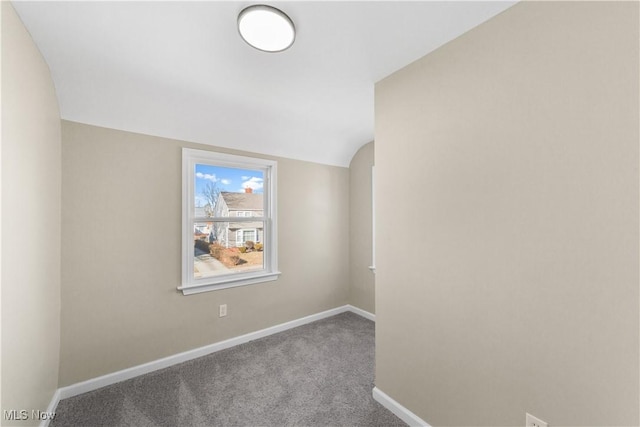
244, 178
225, 181
254, 183
208, 176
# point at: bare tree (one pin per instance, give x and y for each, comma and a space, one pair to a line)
211, 193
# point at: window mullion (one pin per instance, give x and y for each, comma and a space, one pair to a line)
231, 219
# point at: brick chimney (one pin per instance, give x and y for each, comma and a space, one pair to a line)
248, 190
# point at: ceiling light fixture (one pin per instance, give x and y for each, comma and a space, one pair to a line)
266, 28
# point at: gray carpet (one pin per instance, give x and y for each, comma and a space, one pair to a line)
320, 374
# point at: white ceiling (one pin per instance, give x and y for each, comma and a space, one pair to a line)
180, 69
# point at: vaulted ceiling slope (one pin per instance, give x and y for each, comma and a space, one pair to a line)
180, 69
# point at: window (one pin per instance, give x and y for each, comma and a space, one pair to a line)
245, 235
229, 221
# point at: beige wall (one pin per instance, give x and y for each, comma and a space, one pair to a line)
361, 290
30, 223
121, 210
511, 156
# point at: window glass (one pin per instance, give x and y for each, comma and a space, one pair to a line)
229, 219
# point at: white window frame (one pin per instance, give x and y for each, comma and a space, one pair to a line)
191, 285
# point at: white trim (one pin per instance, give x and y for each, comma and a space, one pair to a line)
134, 371
51, 408
361, 312
400, 411
249, 279
372, 267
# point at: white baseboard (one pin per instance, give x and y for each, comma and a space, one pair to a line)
125, 374
51, 408
400, 411
361, 312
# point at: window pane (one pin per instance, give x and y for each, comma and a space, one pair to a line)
227, 248
228, 192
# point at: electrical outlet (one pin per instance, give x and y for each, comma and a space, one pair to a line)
531, 421
223, 310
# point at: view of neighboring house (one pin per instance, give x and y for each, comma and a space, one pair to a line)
202, 231
239, 205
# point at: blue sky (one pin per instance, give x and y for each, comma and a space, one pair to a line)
227, 179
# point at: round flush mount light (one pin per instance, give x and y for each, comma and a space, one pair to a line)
266, 28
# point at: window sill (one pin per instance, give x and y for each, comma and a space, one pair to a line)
229, 283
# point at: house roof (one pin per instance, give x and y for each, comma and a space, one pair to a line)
243, 201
